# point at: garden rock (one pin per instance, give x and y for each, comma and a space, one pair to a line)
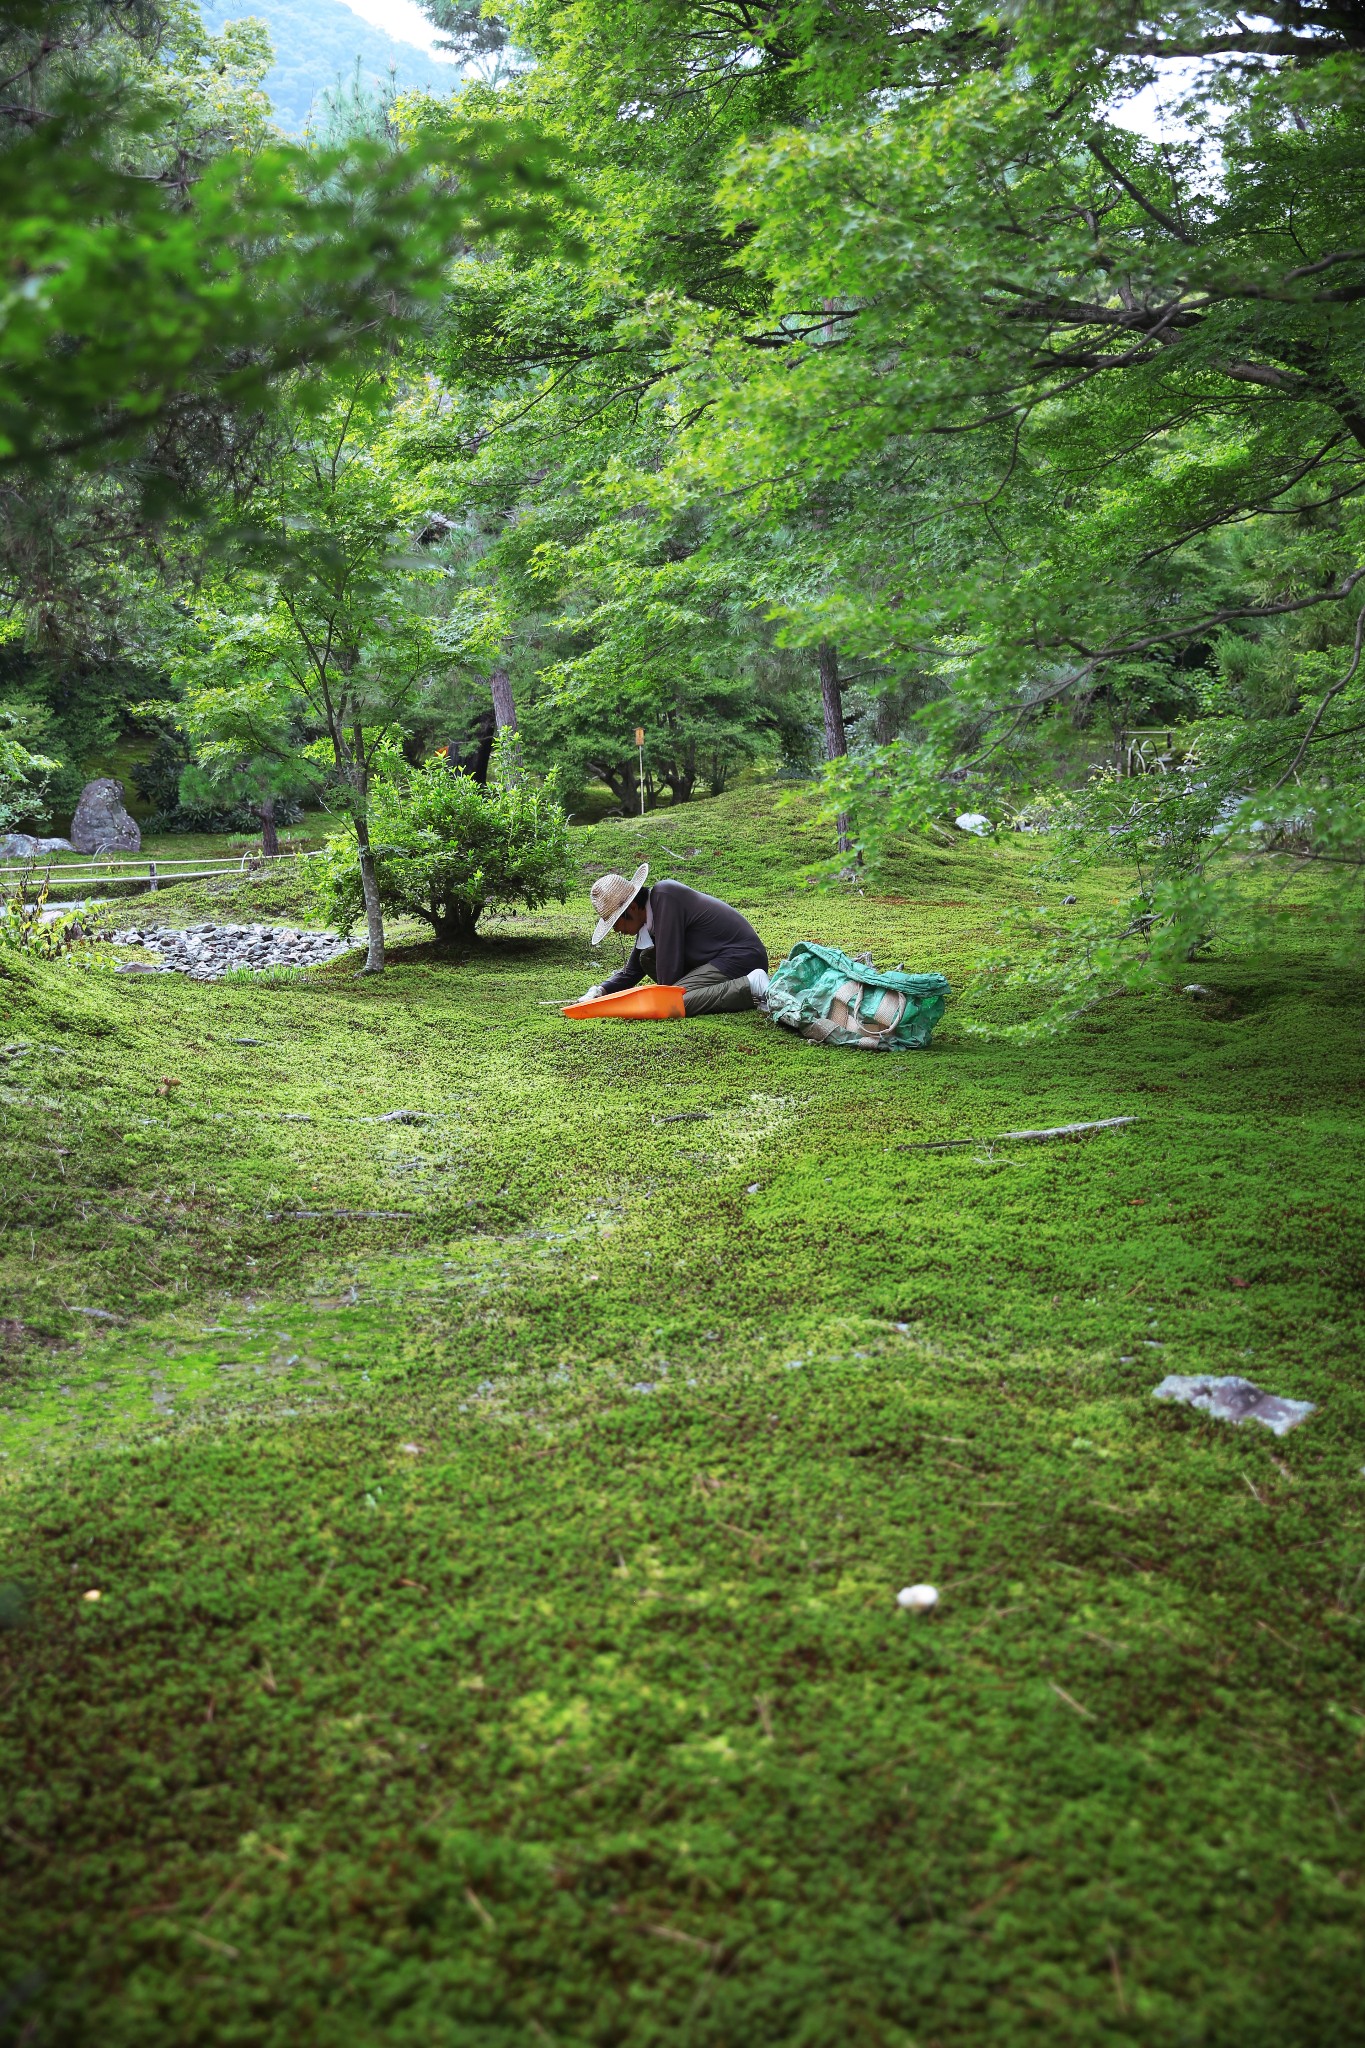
1235, 1400
101, 824
23, 845
973, 821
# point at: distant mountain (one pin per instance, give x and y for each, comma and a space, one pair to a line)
318, 43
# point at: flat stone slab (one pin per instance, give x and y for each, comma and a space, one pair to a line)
1235, 1400
24, 846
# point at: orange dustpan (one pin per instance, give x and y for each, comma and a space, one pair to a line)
666, 1001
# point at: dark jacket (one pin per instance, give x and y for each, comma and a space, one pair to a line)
690, 930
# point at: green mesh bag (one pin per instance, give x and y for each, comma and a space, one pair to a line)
822, 994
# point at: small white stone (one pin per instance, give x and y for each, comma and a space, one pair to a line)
918, 1599
91, 1595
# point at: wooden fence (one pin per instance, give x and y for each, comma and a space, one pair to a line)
30, 874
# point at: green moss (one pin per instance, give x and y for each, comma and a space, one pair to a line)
498, 1637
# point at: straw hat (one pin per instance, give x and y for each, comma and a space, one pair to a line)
612, 895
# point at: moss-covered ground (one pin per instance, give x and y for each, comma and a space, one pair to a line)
497, 1512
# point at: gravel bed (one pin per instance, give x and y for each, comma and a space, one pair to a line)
206, 952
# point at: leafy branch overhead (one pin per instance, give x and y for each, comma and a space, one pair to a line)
140, 276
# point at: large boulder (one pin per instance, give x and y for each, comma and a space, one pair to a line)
101, 824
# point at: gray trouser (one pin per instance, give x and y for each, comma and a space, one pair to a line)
706, 990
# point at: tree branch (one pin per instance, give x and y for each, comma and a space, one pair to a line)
1280, 43
1263, 374
1157, 213
1192, 629
1081, 313
1326, 699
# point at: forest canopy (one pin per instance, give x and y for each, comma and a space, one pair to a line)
946, 399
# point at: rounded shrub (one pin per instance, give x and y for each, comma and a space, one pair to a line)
447, 848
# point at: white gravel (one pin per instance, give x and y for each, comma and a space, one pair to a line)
206, 952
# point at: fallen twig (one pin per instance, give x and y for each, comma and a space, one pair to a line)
1107, 1123
664, 1932
479, 1907
24, 1841
364, 1215
211, 1941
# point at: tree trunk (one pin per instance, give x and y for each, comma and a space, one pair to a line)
457, 924
621, 780
270, 838
505, 712
374, 916
483, 749
832, 698
504, 706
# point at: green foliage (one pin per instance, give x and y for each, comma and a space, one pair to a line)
450, 850
79, 709
182, 797
472, 30
248, 791
23, 773
127, 303
657, 633
315, 655
181, 286
26, 927
609, 588
249, 752
698, 730
278, 267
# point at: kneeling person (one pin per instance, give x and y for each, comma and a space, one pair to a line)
682, 938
